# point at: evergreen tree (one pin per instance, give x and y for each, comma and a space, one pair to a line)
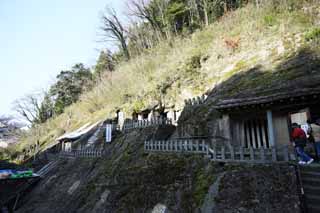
70, 85
104, 64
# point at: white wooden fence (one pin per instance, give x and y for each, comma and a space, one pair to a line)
222, 153
191, 146
131, 124
261, 154
195, 101
85, 153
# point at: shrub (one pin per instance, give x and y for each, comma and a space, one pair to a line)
270, 20
313, 34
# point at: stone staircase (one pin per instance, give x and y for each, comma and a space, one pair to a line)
310, 176
94, 137
47, 168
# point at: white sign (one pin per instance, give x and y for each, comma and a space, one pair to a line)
108, 133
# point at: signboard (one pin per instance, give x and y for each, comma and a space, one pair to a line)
108, 133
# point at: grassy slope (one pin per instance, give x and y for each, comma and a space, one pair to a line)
173, 67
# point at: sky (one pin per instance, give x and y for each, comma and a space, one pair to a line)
39, 38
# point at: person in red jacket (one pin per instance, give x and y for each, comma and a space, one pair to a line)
299, 140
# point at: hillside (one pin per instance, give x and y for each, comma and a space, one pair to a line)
251, 53
129, 180
242, 44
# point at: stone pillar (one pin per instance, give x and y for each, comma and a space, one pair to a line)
121, 119
270, 128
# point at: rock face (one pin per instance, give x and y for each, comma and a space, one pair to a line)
258, 189
129, 180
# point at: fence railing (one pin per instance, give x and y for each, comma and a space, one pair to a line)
192, 146
114, 127
241, 154
87, 153
222, 153
146, 123
195, 101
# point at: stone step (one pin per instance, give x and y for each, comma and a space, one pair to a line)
310, 181
313, 200
313, 208
310, 168
310, 174
311, 190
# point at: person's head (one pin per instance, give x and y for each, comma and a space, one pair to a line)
294, 125
309, 121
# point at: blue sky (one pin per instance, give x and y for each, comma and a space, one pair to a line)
39, 38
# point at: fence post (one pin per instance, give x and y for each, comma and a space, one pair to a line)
232, 152
214, 154
251, 154
223, 153
262, 154
274, 154
202, 147
180, 146
206, 149
197, 145
241, 153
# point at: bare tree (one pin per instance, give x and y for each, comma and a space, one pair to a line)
143, 10
205, 6
114, 30
29, 107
